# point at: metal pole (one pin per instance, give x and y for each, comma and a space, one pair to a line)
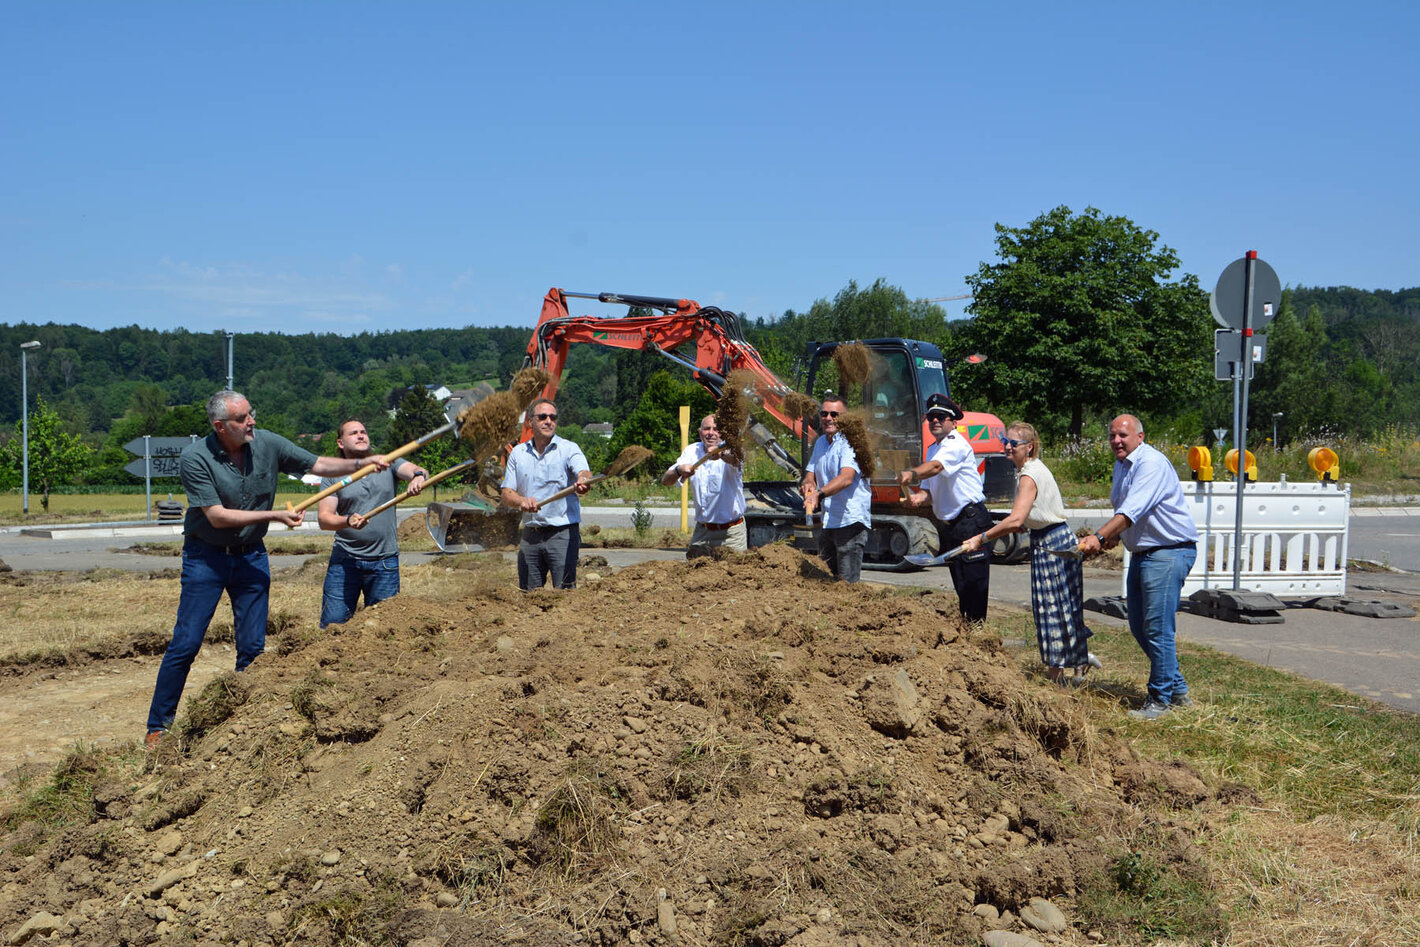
229, 336
1250, 268
25, 423
148, 472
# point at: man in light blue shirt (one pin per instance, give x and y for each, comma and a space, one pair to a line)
834, 480
552, 534
1152, 518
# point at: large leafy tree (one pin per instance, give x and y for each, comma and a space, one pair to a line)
1080, 315
56, 456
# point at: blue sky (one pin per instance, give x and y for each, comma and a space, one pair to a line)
346, 167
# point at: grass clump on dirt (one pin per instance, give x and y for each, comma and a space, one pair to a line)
575, 829
67, 797
213, 706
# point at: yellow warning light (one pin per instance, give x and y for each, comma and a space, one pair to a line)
1231, 460
1200, 461
1323, 461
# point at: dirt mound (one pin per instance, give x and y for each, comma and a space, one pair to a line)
730, 750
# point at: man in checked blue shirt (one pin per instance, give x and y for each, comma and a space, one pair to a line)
537, 468
1152, 517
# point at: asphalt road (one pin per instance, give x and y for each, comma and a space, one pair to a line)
1378, 658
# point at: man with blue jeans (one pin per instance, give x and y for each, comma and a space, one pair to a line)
364, 558
1152, 517
230, 480
834, 480
551, 536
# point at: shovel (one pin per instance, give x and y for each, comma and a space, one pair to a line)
441, 475
368, 469
1072, 553
923, 560
629, 457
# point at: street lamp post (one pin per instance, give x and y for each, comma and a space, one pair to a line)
25, 423
1275, 416
229, 337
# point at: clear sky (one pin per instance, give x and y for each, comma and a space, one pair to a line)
358, 166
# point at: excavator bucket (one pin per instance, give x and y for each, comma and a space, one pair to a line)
472, 524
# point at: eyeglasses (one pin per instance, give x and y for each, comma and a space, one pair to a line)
545, 417
242, 418
1011, 442
828, 414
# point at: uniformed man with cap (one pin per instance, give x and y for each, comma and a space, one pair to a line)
950, 479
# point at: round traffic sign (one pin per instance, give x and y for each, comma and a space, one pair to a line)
1227, 302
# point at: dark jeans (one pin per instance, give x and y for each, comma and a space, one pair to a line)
842, 548
971, 573
347, 577
207, 572
549, 552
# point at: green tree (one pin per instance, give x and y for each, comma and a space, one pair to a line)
1079, 316
655, 422
419, 413
56, 456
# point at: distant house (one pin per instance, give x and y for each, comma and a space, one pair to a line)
600, 428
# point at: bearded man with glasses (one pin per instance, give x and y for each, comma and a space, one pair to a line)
949, 478
551, 537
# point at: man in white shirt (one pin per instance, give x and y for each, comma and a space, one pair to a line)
717, 487
835, 480
950, 478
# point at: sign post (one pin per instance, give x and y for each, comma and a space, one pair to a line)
1246, 298
157, 457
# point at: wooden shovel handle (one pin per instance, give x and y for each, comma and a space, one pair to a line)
441, 475
568, 491
709, 455
368, 469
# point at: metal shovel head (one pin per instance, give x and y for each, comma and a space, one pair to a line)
923, 560
1072, 553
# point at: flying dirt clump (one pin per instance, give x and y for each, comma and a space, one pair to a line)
854, 429
493, 422
854, 361
732, 414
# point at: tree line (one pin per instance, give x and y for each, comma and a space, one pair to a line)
1080, 315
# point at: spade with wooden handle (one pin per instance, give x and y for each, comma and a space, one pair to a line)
368, 469
436, 478
630, 456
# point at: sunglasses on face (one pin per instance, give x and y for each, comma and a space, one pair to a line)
828, 414
1011, 442
545, 417
938, 416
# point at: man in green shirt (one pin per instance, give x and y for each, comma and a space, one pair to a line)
230, 479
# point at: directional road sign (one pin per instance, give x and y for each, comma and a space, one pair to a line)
165, 466
158, 446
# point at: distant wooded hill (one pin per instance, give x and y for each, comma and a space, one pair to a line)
1338, 357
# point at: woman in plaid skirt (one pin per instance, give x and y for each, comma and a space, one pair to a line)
1056, 583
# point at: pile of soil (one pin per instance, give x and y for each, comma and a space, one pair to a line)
729, 750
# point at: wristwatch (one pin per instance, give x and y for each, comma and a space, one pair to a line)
1099, 539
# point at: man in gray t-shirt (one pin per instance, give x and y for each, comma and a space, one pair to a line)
364, 558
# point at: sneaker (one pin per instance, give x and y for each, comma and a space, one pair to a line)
1093, 661
1152, 710
154, 738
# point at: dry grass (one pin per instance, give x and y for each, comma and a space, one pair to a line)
854, 429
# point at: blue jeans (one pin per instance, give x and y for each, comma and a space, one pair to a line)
1152, 591
842, 547
348, 576
207, 572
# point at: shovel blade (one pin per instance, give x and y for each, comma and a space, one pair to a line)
1072, 553
923, 560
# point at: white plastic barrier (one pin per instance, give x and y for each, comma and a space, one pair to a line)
1293, 537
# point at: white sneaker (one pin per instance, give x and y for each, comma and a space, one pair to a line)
1093, 661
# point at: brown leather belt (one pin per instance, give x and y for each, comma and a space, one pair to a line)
723, 526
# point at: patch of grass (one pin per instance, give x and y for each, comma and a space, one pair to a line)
575, 828
709, 767
347, 918
212, 706
1145, 895
65, 799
